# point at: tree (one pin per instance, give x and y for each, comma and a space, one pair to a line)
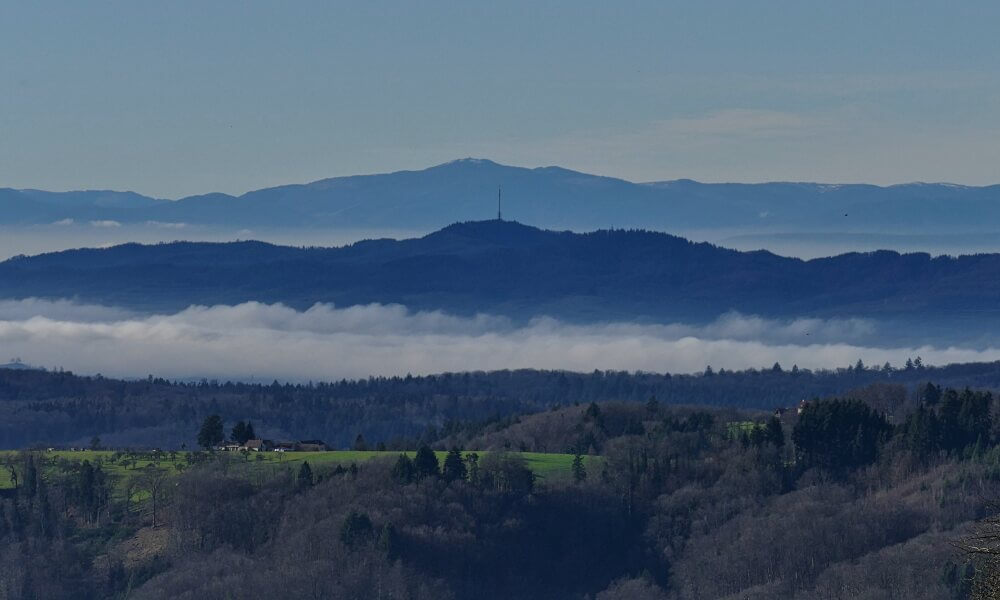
360, 444
774, 432
425, 463
95, 443
250, 433
388, 541
922, 432
153, 480
508, 473
239, 433
211, 433
839, 434
931, 394
305, 477
356, 529
454, 466
579, 470
472, 459
403, 471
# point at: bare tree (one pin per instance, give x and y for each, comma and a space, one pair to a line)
154, 480
982, 546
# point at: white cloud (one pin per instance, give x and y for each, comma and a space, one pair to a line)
105, 223
63, 222
166, 224
324, 342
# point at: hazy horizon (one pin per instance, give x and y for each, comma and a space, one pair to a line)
185, 98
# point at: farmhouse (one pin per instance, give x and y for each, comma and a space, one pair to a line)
258, 445
311, 446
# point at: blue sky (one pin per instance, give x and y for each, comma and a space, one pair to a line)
177, 98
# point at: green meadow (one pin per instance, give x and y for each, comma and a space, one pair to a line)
125, 464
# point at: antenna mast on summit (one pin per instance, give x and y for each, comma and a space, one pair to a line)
499, 217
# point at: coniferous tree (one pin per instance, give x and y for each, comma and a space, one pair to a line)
472, 459
403, 471
921, 432
454, 467
425, 463
931, 394
774, 432
239, 433
356, 529
579, 470
305, 477
360, 444
250, 433
211, 432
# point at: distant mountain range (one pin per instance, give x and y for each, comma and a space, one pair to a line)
550, 197
507, 268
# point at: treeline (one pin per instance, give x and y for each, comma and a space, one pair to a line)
842, 500
59, 408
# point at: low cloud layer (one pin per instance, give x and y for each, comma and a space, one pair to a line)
261, 341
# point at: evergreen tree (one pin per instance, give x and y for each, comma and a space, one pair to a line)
356, 529
211, 432
239, 433
403, 471
360, 444
454, 467
839, 434
579, 470
921, 432
473, 468
250, 433
931, 394
425, 463
305, 477
774, 432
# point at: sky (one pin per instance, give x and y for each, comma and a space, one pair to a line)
177, 98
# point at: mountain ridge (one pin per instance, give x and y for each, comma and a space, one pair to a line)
508, 268
551, 196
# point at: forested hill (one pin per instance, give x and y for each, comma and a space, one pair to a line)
508, 268
39, 407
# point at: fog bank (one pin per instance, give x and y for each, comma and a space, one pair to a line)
263, 342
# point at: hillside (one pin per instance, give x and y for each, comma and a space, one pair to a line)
59, 408
551, 197
507, 268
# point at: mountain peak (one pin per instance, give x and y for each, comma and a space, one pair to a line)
493, 231
470, 161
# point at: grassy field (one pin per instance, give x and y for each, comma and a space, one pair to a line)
545, 466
